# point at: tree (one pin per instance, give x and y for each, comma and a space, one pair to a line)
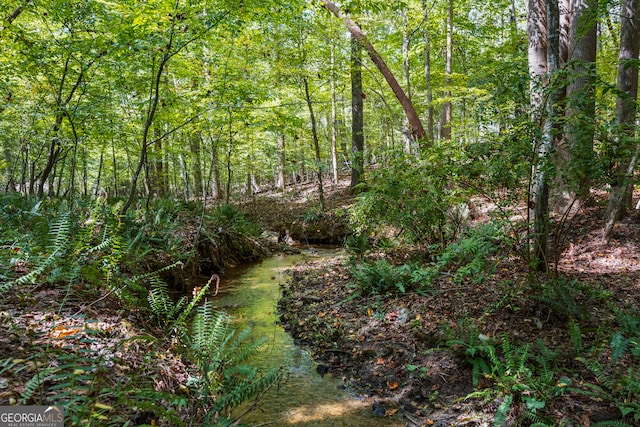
427, 70
576, 155
357, 115
538, 40
316, 142
626, 149
445, 115
412, 116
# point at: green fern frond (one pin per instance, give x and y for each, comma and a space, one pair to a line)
503, 411
619, 345
35, 386
160, 300
209, 332
597, 370
575, 336
59, 232
188, 308
243, 384
156, 273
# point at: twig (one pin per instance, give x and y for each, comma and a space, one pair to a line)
215, 276
84, 307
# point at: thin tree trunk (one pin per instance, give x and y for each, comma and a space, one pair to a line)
214, 178
96, 188
357, 116
115, 168
577, 157
427, 71
445, 116
195, 140
156, 168
316, 143
281, 182
625, 143
334, 118
406, 74
544, 152
151, 114
229, 152
414, 120
537, 57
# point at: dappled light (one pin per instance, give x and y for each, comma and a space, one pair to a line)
316, 213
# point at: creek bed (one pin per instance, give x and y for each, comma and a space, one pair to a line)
304, 398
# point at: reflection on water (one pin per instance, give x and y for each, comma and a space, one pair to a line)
303, 398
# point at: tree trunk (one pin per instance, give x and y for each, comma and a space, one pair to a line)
357, 116
229, 152
214, 174
334, 118
427, 70
96, 188
195, 140
445, 116
281, 182
412, 116
52, 158
537, 57
115, 168
406, 74
567, 19
626, 148
545, 148
151, 114
316, 143
15, 13
576, 155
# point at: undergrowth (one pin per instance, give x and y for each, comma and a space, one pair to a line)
90, 252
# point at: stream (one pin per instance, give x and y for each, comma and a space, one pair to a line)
250, 294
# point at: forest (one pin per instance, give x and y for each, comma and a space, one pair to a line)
472, 164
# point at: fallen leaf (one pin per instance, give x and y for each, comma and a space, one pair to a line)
62, 331
103, 406
393, 385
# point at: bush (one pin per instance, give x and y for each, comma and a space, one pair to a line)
380, 277
417, 198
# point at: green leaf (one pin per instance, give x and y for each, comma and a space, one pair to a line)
503, 411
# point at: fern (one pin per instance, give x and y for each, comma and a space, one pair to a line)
219, 353
575, 336
503, 411
244, 383
160, 301
35, 386
59, 232
619, 345
597, 370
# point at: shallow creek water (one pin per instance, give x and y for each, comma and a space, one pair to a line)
250, 294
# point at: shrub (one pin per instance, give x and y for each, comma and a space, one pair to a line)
418, 198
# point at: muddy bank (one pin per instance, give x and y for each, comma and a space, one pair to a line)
408, 351
298, 216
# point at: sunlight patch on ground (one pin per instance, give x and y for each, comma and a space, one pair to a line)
307, 413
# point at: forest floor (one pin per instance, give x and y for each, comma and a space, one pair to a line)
416, 352
411, 351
